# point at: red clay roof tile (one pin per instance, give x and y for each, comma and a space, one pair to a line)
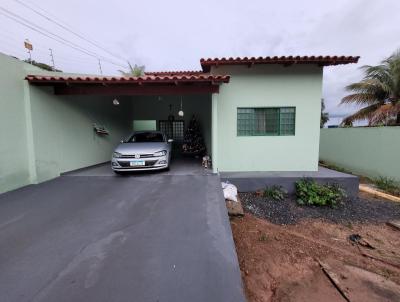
286, 60
214, 79
176, 72
195, 76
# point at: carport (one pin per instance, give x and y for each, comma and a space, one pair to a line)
90, 235
78, 120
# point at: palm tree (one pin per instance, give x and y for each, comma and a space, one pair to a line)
324, 115
135, 71
379, 92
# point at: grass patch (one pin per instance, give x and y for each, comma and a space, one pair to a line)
263, 237
334, 167
363, 179
349, 225
388, 185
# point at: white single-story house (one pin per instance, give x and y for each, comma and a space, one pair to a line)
256, 114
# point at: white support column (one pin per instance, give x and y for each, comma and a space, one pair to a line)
214, 131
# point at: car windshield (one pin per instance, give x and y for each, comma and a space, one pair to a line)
146, 137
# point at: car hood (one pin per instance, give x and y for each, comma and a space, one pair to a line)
141, 148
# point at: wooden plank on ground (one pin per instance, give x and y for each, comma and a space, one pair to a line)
334, 278
370, 190
395, 224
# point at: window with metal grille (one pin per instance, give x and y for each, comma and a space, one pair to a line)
266, 121
172, 129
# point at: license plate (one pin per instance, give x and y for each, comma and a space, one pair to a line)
137, 163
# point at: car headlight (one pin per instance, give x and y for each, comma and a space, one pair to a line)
160, 153
117, 155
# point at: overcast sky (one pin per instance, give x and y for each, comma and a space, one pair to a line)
175, 34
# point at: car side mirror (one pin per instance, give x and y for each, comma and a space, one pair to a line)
170, 140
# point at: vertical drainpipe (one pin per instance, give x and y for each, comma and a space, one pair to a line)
29, 134
214, 132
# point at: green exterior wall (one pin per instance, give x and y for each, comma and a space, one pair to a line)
63, 134
370, 152
269, 86
43, 135
14, 170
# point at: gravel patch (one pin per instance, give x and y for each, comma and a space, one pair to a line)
361, 209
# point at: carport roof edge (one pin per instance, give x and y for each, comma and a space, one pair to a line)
206, 63
156, 79
119, 85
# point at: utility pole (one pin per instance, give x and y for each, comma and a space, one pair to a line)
52, 58
29, 47
101, 71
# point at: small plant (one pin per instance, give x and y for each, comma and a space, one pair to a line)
387, 184
309, 192
334, 167
275, 192
263, 237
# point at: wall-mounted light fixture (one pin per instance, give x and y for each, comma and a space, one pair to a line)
115, 102
181, 113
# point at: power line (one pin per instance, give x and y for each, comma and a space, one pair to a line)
15, 44
7, 37
59, 37
42, 49
55, 37
68, 29
7, 47
41, 55
43, 29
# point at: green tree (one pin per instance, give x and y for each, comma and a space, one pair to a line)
135, 71
324, 115
378, 92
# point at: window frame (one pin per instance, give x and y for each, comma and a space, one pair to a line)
173, 128
278, 133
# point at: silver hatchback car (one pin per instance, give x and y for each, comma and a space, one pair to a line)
143, 150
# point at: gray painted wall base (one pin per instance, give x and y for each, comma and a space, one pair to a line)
252, 181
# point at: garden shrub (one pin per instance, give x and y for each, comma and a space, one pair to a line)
275, 192
309, 192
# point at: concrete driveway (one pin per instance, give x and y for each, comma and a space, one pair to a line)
105, 238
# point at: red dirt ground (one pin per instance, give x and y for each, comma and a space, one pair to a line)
280, 263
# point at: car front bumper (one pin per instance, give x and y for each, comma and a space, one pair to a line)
151, 163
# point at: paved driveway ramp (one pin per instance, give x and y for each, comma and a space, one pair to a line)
149, 238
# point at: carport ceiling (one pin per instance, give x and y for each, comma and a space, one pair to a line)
145, 85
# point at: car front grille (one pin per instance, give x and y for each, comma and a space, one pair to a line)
133, 155
147, 163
